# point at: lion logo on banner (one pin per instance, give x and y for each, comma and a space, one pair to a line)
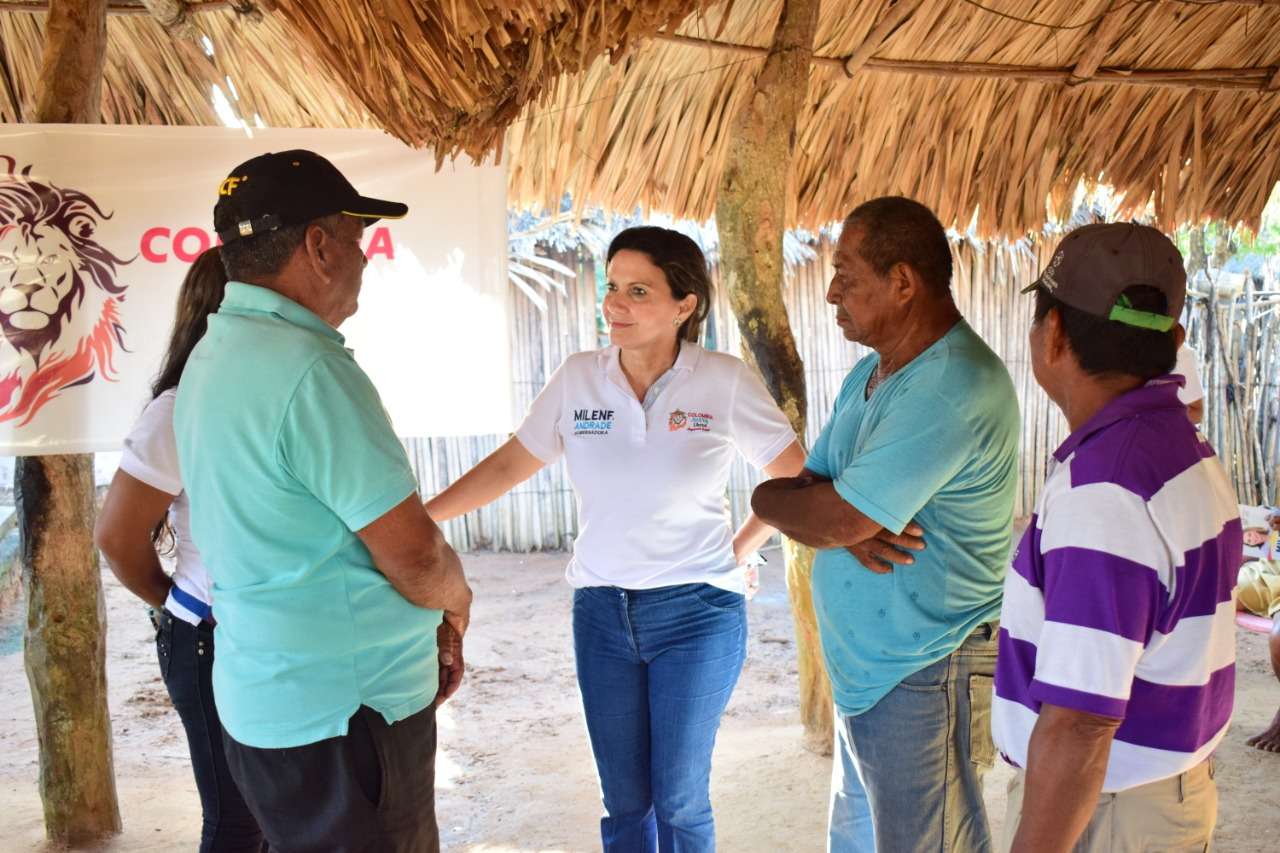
59, 301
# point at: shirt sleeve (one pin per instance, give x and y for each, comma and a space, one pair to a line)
539, 432
1187, 367
816, 461
760, 430
337, 441
914, 450
1100, 604
150, 450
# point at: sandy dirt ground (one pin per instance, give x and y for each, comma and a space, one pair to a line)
515, 770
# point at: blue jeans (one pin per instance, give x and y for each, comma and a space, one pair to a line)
185, 653
921, 753
656, 668
849, 825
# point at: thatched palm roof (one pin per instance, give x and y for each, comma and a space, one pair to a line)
156, 77
986, 105
653, 129
450, 74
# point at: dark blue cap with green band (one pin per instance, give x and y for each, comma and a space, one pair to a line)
1093, 266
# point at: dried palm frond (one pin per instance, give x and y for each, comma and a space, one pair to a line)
997, 154
993, 118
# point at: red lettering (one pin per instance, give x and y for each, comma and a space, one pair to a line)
147, 248
380, 244
180, 243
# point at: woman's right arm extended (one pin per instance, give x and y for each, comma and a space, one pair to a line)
498, 473
132, 510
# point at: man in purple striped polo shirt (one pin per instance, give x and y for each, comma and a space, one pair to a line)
1117, 638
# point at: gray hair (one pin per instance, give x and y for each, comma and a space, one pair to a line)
264, 255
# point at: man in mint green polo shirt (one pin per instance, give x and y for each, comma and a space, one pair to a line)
924, 435
329, 579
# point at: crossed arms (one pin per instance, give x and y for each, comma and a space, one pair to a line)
808, 509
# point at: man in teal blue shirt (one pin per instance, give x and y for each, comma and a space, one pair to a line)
329, 579
924, 435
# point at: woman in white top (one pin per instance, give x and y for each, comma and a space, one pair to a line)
144, 508
1192, 391
649, 427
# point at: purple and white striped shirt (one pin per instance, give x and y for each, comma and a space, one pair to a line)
1119, 599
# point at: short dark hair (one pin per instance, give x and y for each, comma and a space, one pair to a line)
898, 230
1105, 346
265, 254
680, 260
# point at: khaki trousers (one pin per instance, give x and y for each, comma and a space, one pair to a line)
1173, 815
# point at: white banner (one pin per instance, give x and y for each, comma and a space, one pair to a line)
98, 226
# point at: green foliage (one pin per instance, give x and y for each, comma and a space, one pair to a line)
1239, 244
1267, 240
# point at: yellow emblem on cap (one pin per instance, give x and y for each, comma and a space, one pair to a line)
229, 185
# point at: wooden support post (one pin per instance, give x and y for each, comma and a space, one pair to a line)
66, 647
66, 622
751, 215
11, 109
75, 53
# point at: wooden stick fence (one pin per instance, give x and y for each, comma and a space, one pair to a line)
1234, 332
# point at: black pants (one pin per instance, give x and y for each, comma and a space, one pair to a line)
373, 789
185, 652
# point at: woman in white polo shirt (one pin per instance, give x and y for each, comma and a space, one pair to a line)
145, 506
649, 427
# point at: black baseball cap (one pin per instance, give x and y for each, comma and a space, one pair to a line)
1094, 265
286, 188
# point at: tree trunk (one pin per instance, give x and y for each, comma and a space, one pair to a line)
815, 688
66, 621
1197, 259
751, 216
1222, 250
66, 647
75, 53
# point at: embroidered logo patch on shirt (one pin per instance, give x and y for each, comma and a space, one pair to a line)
592, 421
692, 421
